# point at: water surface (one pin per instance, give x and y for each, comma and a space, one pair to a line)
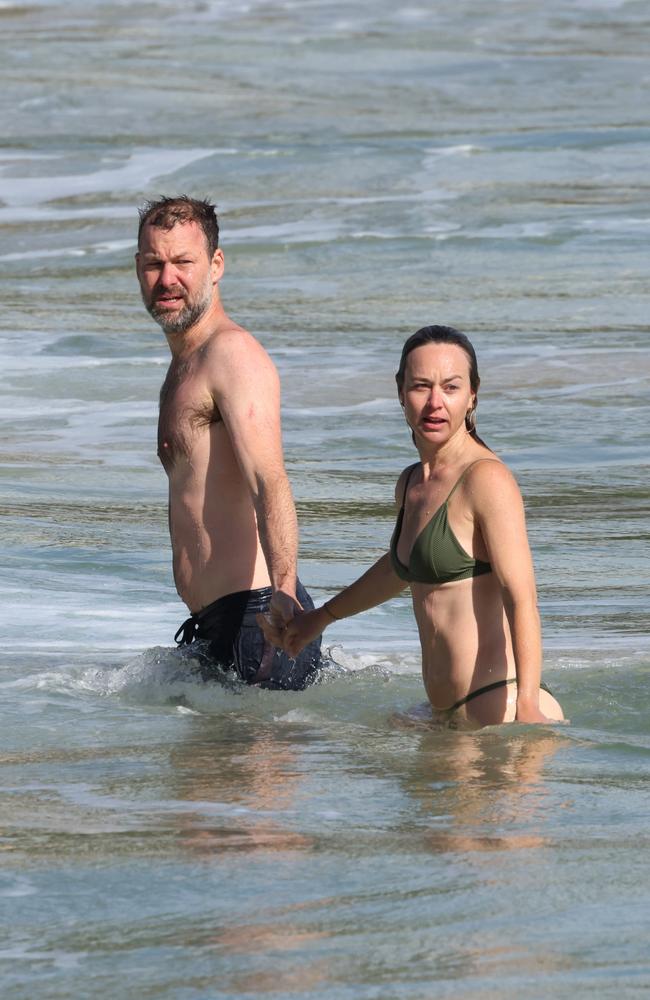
375, 169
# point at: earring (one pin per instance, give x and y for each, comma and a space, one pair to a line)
470, 419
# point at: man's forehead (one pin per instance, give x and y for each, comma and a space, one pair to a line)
181, 233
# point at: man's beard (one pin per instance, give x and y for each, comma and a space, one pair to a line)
189, 314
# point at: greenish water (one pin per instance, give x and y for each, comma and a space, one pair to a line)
376, 168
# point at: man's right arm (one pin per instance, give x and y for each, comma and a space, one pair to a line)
247, 393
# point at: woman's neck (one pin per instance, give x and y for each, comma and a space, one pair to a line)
453, 453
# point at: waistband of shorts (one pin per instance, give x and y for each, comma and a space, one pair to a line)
242, 601
225, 613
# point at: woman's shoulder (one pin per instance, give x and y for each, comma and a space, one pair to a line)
488, 477
402, 482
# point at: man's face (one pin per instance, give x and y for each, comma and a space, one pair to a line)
177, 278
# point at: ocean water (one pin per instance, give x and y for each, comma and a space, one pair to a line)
376, 168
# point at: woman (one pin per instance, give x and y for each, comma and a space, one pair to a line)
460, 542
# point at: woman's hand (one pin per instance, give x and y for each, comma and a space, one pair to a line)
376, 585
529, 711
294, 636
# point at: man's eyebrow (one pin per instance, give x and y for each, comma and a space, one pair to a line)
426, 378
155, 256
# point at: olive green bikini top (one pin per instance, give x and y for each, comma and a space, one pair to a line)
437, 556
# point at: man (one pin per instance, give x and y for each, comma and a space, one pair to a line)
232, 518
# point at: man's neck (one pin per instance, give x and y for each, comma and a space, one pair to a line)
191, 340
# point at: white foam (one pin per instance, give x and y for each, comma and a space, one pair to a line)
417, 197
460, 150
377, 405
136, 173
316, 231
103, 414
171, 677
515, 230
48, 213
93, 248
617, 224
16, 887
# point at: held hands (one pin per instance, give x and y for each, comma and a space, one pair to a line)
282, 609
294, 635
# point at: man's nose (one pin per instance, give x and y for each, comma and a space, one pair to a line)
168, 275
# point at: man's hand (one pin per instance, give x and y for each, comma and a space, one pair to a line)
293, 637
281, 612
282, 609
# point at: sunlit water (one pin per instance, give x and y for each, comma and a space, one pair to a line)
376, 168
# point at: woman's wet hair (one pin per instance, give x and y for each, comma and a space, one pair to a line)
445, 335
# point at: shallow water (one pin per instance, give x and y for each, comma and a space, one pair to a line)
376, 168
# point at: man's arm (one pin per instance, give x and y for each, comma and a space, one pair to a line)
247, 393
278, 530
378, 584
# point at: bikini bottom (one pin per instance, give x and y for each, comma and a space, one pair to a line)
485, 689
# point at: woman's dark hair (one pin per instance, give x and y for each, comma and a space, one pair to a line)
445, 335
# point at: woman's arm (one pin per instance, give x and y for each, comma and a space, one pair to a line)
376, 585
499, 511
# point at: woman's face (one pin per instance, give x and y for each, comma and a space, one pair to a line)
436, 394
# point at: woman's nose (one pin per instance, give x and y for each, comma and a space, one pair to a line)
435, 398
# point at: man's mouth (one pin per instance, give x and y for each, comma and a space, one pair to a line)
167, 301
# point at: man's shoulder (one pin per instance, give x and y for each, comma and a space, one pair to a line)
231, 354
229, 339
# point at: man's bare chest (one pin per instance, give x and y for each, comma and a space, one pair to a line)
187, 412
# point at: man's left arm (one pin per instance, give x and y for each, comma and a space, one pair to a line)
278, 529
248, 397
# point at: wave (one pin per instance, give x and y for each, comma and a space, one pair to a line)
136, 172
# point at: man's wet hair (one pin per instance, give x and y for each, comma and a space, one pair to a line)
165, 213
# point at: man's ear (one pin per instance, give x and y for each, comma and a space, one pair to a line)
217, 264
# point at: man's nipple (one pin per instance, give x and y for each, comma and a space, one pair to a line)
164, 451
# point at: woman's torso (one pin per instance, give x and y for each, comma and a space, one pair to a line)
457, 599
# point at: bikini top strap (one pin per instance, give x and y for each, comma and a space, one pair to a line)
463, 474
411, 470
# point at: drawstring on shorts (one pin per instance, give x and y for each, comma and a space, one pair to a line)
187, 631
